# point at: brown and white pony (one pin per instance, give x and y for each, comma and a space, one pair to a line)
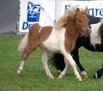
58, 38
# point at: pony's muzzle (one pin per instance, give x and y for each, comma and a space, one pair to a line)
87, 31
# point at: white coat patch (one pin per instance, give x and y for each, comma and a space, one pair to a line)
54, 40
95, 38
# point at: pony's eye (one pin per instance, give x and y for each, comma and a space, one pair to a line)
80, 21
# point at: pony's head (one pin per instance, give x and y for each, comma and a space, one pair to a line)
78, 19
82, 21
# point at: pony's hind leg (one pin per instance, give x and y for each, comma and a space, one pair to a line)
45, 64
24, 57
31, 46
20, 67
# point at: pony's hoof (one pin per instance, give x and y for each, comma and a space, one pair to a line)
61, 76
18, 72
51, 78
79, 79
58, 78
84, 74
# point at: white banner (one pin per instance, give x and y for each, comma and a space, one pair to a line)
33, 11
95, 8
45, 11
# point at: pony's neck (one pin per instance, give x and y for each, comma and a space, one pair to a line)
72, 33
72, 29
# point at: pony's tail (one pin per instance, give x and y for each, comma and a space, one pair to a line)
23, 44
57, 60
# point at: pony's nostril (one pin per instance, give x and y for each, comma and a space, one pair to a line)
88, 30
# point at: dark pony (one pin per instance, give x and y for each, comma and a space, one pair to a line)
55, 38
94, 43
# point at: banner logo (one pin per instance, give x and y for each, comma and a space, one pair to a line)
91, 11
33, 12
33, 15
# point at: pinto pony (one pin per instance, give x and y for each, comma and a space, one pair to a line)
58, 39
94, 43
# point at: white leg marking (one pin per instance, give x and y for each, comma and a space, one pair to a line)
21, 67
45, 64
73, 64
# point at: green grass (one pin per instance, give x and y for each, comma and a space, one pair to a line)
34, 78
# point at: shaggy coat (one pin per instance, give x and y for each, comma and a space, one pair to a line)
58, 38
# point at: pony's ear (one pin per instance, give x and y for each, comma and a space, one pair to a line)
77, 10
86, 10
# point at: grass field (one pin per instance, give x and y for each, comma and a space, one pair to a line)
34, 78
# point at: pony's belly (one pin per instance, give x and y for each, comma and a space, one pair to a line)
52, 45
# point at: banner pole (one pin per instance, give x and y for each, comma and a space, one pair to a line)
18, 21
56, 10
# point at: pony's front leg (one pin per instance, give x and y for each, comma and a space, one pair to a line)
76, 58
73, 64
45, 64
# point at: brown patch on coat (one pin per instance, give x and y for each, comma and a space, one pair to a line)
34, 33
45, 32
75, 25
36, 36
33, 42
71, 35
